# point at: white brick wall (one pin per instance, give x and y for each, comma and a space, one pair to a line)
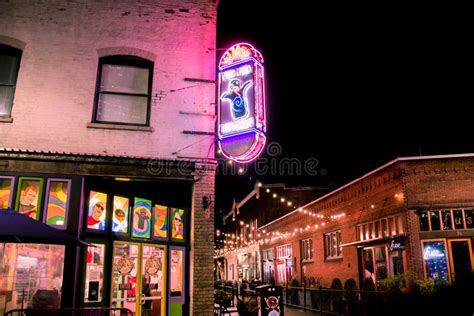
56, 83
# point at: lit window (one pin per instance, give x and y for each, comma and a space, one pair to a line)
307, 249
332, 245
9, 66
123, 90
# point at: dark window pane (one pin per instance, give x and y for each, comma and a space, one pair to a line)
435, 223
8, 69
424, 226
446, 219
458, 220
384, 228
6, 100
469, 219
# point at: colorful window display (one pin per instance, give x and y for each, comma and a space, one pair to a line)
97, 211
434, 256
177, 216
176, 280
29, 271
57, 202
141, 218
120, 215
125, 269
6, 191
29, 194
94, 282
160, 218
153, 262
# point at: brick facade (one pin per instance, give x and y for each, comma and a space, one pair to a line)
61, 44
400, 190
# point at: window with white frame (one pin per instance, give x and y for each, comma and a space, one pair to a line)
332, 245
307, 249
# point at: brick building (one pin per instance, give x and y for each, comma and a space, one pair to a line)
107, 113
412, 214
240, 257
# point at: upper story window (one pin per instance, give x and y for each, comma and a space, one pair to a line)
332, 245
9, 66
307, 249
381, 228
123, 90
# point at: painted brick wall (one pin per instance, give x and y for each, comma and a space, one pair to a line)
202, 243
62, 42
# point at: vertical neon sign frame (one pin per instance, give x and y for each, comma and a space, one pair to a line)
246, 138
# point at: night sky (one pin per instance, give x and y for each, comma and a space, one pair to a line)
353, 87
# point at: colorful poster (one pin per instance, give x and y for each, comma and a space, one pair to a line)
436, 264
29, 196
120, 215
57, 201
97, 210
6, 190
141, 218
161, 221
177, 216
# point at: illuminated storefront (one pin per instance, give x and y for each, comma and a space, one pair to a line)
140, 228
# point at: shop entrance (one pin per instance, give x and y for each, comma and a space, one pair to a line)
461, 258
139, 272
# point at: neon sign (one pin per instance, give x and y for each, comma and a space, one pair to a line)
241, 103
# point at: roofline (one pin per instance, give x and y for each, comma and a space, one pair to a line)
414, 158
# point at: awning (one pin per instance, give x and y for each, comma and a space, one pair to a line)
18, 228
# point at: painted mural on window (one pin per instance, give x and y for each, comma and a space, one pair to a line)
141, 218
29, 196
124, 285
93, 291
97, 210
120, 215
6, 191
177, 216
161, 221
57, 200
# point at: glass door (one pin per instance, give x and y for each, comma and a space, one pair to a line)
124, 278
461, 258
153, 263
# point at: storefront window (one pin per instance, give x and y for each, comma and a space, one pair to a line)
424, 224
120, 215
446, 220
29, 193
380, 263
97, 211
434, 255
177, 216
434, 219
124, 286
396, 262
6, 191
57, 202
176, 272
161, 221
153, 261
469, 218
28, 272
94, 282
141, 218
458, 219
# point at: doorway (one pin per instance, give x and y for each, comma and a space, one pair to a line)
461, 258
139, 272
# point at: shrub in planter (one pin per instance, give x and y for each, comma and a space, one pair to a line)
336, 285
249, 308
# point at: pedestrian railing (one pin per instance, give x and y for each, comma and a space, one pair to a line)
85, 311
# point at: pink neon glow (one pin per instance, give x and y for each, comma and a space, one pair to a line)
246, 55
239, 52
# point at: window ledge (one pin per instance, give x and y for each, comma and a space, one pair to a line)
304, 261
4, 119
120, 127
333, 259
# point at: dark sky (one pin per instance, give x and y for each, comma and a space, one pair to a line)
353, 87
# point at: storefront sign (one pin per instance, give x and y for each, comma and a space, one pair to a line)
241, 104
396, 244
